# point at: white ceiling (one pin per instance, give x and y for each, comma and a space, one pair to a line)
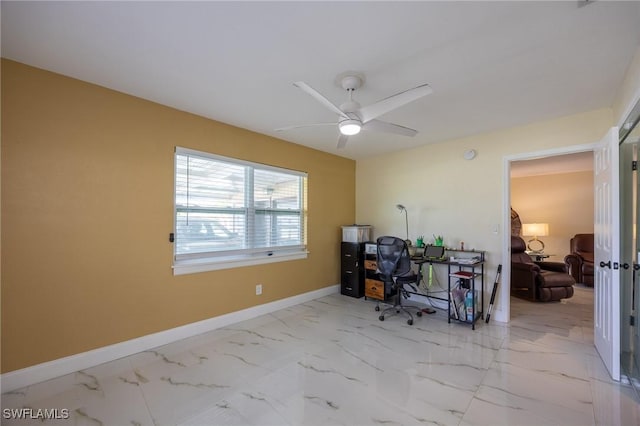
491, 64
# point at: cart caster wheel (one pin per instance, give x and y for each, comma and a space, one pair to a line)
419, 314
410, 322
377, 308
381, 317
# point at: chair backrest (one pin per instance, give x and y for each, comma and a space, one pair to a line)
393, 257
582, 243
518, 248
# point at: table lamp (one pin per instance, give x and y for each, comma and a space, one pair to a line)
535, 230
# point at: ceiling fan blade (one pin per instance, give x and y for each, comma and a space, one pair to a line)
298, 126
379, 108
324, 101
383, 126
342, 141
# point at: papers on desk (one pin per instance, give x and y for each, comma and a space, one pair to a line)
466, 260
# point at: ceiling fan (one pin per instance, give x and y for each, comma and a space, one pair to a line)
352, 117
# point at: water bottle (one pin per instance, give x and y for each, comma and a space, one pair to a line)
468, 304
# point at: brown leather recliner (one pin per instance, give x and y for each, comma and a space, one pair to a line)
537, 281
580, 260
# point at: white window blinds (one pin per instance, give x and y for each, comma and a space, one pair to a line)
232, 208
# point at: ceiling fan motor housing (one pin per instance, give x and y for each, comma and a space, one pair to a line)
350, 106
351, 82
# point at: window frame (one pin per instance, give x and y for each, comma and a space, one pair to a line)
216, 260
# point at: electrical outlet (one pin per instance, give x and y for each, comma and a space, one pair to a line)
258, 289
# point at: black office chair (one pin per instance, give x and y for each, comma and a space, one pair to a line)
394, 268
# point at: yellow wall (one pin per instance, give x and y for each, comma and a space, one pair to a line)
87, 205
563, 200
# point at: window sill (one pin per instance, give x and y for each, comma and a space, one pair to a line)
193, 266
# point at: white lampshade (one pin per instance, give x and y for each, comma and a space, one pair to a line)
535, 229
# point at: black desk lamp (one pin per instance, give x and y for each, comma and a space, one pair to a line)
406, 220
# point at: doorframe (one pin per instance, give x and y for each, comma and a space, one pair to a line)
504, 301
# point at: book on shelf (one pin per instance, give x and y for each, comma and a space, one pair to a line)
462, 274
457, 301
453, 309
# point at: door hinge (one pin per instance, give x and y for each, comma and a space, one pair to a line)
634, 165
172, 237
632, 320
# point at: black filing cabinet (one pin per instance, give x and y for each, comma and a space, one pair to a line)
352, 269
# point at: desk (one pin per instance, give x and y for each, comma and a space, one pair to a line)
454, 268
375, 289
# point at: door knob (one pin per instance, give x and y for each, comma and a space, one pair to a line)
607, 264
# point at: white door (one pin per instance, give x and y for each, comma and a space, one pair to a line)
607, 252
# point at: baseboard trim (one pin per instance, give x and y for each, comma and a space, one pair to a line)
59, 367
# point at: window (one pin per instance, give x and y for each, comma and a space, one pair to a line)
231, 213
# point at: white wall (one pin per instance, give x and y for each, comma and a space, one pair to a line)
460, 199
629, 92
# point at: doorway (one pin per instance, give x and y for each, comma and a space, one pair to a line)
628, 304
509, 161
606, 207
553, 197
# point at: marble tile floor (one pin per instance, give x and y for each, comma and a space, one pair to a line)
331, 362
630, 370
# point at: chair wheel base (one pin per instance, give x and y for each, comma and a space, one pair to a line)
410, 322
418, 314
381, 317
377, 308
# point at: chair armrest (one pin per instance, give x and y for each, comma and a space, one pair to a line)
573, 259
525, 267
523, 279
553, 266
573, 263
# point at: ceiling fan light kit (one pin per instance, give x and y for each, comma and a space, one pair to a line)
353, 117
350, 127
